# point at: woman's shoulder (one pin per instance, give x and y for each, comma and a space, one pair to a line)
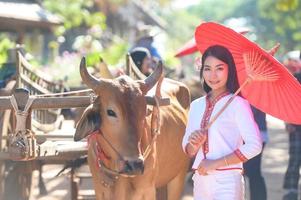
198, 101
240, 102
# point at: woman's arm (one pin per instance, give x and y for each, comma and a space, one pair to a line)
248, 130
225, 161
192, 138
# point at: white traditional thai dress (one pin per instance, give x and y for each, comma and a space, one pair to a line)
234, 131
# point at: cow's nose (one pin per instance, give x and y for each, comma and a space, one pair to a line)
134, 167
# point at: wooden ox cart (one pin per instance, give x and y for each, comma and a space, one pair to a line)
24, 141
16, 176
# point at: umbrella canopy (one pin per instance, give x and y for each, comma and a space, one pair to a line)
190, 46
267, 84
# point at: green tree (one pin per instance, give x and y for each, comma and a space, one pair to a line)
286, 17
75, 13
214, 10
271, 21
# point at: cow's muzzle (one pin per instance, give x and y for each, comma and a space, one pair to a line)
133, 167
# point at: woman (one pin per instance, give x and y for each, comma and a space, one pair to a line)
231, 140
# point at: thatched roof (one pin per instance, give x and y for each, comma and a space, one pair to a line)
22, 15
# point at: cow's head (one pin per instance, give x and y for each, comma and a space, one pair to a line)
118, 116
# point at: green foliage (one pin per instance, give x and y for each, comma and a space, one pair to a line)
75, 13
5, 44
287, 5
180, 29
214, 10
115, 53
111, 54
269, 20
170, 60
286, 17
181, 25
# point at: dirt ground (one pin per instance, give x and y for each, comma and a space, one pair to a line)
274, 165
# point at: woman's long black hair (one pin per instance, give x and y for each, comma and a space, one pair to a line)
224, 55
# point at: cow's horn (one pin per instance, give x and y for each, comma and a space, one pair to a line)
152, 79
88, 79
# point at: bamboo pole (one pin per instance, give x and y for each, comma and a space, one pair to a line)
248, 80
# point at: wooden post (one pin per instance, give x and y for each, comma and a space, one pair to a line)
19, 174
74, 181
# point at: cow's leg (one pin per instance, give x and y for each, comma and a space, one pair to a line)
148, 193
176, 185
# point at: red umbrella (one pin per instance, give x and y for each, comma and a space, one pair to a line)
190, 46
264, 81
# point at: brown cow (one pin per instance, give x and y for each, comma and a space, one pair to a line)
119, 127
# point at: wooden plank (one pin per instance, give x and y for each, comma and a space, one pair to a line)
68, 102
34, 85
51, 102
23, 63
55, 151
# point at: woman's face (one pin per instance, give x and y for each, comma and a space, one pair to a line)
215, 73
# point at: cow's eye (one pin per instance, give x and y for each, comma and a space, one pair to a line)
111, 113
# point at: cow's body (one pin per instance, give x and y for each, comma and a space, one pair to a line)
165, 165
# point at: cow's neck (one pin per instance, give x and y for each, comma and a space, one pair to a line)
108, 177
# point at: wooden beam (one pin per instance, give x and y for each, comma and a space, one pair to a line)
53, 151
51, 102
68, 102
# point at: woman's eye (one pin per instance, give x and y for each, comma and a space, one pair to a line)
111, 113
206, 69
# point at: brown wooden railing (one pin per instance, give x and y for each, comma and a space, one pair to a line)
37, 84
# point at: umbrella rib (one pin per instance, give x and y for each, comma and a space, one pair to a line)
258, 69
284, 94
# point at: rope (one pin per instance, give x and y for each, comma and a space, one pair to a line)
155, 131
21, 116
22, 143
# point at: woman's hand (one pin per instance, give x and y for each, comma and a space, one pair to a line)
207, 165
196, 140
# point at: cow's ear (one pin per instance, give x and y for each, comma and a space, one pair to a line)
88, 123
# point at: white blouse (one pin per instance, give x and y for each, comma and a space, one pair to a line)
234, 130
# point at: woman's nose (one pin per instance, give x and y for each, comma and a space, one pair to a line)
213, 74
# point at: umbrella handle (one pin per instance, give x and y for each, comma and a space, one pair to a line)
248, 80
